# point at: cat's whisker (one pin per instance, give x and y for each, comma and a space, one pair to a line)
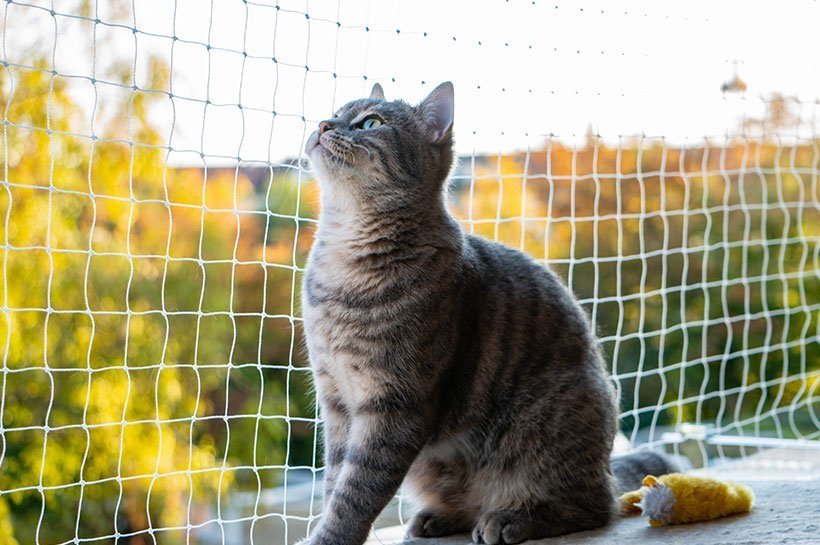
361, 147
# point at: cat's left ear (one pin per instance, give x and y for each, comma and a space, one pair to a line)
438, 109
377, 92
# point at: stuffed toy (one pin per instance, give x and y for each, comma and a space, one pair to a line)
678, 498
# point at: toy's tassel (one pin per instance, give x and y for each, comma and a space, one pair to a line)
658, 503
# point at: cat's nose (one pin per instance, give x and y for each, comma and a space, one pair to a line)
327, 125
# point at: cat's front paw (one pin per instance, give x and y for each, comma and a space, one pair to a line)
314, 539
324, 538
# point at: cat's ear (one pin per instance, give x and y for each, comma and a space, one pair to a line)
438, 109
377, 92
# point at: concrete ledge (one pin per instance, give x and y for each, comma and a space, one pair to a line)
786, 483
785, 512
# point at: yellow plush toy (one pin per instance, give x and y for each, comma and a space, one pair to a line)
677, 498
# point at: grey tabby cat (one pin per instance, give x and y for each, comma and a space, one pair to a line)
456, 365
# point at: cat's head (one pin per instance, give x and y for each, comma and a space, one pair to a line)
373, 148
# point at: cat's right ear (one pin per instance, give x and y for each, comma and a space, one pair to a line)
377, 92
438, 110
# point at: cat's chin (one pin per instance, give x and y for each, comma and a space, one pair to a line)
330, 168
328, 172
317, 153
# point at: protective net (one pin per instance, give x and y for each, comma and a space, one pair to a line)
157, 211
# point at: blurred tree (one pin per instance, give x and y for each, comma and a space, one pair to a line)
129, 287
694, 264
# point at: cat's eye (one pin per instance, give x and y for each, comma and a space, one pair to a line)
371, 123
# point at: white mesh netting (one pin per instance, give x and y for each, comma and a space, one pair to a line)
156, 214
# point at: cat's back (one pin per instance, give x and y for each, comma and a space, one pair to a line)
510, 278
526, 319
527, 371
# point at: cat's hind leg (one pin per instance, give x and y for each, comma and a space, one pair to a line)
525, 503
438, 523
438, 484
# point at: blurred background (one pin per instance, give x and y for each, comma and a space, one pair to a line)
157, 211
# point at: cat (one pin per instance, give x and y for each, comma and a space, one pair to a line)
455, 365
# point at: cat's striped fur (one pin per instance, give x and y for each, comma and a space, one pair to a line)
456, 365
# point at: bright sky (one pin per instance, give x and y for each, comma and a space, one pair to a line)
521, 69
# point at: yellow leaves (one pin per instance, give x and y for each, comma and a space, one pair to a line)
6, 528
89, 223
146, 334
280, 251
147, 172
29, 207
503, 201
64, 455
110, 170
309, 201
170, 384
142, 438
813, 380
111, 226
28, 95
70, 219
68, 338
150, 229
145, 292
107, 284
226, 189
159, 73
184, 186
169, 496
107, 397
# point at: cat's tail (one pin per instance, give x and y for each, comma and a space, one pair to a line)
630, 469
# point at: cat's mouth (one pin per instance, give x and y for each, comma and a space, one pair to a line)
330, 147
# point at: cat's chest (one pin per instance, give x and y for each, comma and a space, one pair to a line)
346, 378
344, 369
343, 356
334, 275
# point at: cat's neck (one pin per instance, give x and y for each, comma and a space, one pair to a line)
363, 226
